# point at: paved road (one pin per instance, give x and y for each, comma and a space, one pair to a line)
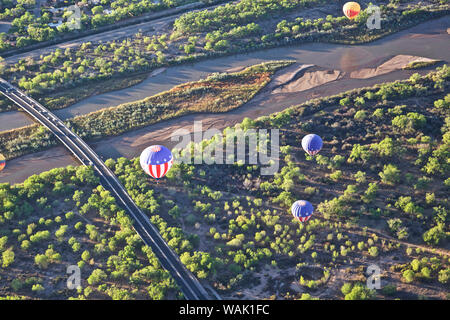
189, 285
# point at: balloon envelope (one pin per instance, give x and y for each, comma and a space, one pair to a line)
156, 161
351, 9
302, 210
2, 162
312, 144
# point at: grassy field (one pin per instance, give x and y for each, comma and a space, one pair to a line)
379, 188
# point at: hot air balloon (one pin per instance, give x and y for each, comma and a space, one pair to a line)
302, 210
156, 161
351, 9
312, 144
2, 162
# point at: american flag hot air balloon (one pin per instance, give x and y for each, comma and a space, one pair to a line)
156, 161
302, 210
312, 144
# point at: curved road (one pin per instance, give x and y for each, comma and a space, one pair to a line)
189, 285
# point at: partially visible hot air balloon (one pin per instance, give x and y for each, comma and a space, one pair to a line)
302, 210
351, 9
312, 144
156, 161
2, 162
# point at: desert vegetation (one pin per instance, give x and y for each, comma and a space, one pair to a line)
217, 93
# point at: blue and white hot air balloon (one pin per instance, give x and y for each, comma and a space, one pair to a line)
312, 144
156, 161
302, 210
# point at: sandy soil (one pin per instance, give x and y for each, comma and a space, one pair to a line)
396, 63
312, 78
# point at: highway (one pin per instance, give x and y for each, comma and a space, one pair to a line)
189, 285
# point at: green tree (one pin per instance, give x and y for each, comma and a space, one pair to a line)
390, 175
41, 261
96, 277
408, 276
7, 258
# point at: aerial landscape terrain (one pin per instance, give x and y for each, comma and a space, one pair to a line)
99, 199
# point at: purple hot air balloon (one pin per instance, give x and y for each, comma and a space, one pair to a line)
302, 210
156, 161
312, 144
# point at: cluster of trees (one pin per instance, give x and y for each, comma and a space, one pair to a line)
221, 41
301, 25
227, 16
357, 291
108, 251
425, 269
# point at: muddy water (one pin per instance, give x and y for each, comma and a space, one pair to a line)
429, 40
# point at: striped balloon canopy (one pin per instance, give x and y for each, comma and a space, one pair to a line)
302, 210
351, 9
312, 144
156, 161
2, 162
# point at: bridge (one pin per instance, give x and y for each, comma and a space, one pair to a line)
189, 285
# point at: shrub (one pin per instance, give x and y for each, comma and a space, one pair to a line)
96, 277
37, 287
41, 261
435, 235
360, 292
360, 115
408, 276
373, 251
444, 275
332, 208
389, 290
390, 174
7, 258
346, 288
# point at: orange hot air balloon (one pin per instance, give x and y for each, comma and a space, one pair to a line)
351, 9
